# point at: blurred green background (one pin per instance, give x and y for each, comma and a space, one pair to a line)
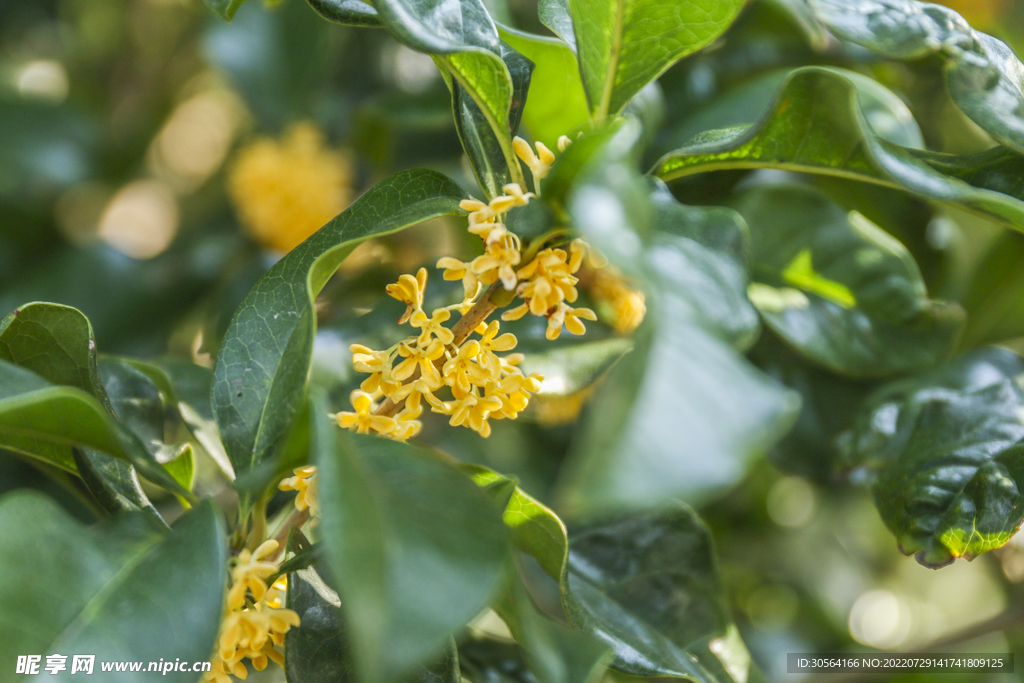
154, 161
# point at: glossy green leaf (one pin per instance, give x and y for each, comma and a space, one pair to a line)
946, 450
816, 125
317, 651
556, 103
625, 44
556, 16
483, 148
417, 547
56, 343
464, 39
126, 584
983, 75
683, 377
261, 370
648, 586
225, 9
347, 12
838, 289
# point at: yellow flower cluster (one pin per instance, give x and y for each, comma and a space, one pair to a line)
285, 190
254, 623
306, 483
483, 385
625, 306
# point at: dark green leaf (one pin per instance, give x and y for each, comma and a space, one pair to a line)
261, 369
483, 148
317, 651
416, 545
556, 16
126, 583
464, 39
347, 12
946, 449
56, 342
648, 586
625, 44
556, 104
816, 125
983, 75
840, 290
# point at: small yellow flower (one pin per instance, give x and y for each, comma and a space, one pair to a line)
489, 343
539, 163
378, 364
454, 269
571, 318
249, 574
362, 420
461, 372
577, 249
305, 482
423, 358
472, 410
563, 142
514, 196
409, 290
549, 281
432, 326
285, 190
498, 262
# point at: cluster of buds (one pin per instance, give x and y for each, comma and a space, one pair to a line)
254, 622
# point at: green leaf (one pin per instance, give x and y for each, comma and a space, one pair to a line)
347, 12
260, 375
571, 368
946, 447
57, 343
225, 9
984, 77
464, 39
555, 653
699, 255
556, 16
318, 650
188, 386
625, 44
648, 586
483, 148
556, 104
416, 545
816, 125
126, 583
838, 289
683, 377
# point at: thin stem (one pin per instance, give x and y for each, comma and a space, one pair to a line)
298, 518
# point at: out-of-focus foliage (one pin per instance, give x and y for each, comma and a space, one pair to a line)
805, 359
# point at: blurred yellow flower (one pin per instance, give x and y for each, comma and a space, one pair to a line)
285, 190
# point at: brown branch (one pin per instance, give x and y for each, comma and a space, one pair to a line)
461, 330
